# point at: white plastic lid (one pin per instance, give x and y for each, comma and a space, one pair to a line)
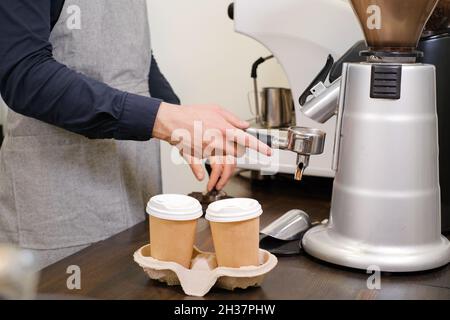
233, 210
174, 207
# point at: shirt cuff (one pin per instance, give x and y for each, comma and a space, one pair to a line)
138, 118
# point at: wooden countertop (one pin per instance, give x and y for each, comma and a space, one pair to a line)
109, 272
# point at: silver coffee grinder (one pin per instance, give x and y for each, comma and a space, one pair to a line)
386, 206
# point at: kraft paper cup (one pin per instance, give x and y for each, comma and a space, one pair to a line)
235, 231
173, 224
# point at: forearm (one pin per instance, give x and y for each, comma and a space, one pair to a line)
48, 91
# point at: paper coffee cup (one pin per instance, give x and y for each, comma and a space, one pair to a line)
235, 231
173, 224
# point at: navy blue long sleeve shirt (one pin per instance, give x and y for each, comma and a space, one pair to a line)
34, 84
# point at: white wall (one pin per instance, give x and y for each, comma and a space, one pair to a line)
206, 62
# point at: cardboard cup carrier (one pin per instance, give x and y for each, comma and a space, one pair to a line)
172, 258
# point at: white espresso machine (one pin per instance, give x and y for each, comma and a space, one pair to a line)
386, 208
301, 34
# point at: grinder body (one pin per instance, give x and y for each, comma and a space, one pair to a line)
385, 208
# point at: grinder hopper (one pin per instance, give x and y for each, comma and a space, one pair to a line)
393, 25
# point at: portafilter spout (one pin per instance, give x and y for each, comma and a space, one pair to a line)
305, 142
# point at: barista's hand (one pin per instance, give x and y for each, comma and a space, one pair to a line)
203, 131
222, 171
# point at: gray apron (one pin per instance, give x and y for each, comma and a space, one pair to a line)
59, 190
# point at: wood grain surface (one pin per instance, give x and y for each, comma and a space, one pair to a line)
109, 272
